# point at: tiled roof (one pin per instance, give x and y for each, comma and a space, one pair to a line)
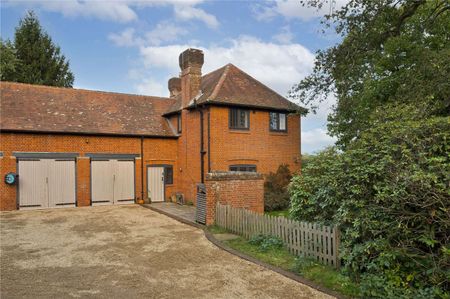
231, 86
175, 107
36, 108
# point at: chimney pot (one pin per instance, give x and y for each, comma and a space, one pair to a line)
191, 57
174, 85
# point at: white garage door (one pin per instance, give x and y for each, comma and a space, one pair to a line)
112, 182
46, 183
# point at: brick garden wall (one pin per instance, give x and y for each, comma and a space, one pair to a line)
238, 189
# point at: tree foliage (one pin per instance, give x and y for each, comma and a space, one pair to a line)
33, 57
389, 194
392, 52
8, 61
276, 195
386, 183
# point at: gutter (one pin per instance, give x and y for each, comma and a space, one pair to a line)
85, 134
254, 107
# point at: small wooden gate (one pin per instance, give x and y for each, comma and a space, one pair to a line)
200, 216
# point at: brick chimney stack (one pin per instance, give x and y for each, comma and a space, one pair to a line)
191, 62
174, 86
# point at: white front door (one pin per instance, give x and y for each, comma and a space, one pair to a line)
155, 184
112, 182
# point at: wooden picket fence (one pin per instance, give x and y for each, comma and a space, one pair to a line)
305, 239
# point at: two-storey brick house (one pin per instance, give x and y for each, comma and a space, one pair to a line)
73, 147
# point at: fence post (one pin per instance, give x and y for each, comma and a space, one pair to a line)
337, 237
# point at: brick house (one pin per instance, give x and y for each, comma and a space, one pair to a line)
73, 147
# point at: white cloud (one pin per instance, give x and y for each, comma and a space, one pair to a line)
293, 9
277, 66
120, 10
164, 32
186, 12
126, 38
151, 87
315, 139
285, 36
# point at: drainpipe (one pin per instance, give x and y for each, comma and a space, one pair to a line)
209, 140
142, 167
202, 151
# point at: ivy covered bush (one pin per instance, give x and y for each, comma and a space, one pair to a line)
276, 194
389, 193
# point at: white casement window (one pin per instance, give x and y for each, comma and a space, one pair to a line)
277, 122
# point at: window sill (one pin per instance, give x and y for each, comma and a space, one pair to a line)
280, 133
237, 131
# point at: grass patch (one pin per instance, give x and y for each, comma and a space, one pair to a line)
283, 213
280, 257
214, 229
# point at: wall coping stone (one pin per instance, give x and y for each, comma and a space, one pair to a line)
233, 175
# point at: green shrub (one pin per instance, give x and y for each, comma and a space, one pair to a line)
276, 194
266, 243
389, 194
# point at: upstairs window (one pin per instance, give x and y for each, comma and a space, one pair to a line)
179, 123
277, 122
243, 167
239, 119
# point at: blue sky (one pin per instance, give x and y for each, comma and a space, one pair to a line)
133, 46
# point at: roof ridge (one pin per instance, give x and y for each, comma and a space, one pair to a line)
220, 82
83, 89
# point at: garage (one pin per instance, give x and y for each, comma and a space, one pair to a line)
112, 179
46, 183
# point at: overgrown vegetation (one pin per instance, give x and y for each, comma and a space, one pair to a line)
269, 250
282, 213
33, 57
276, 194
265, 243
386, 183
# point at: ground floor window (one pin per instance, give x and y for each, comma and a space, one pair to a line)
168, 174
243, 167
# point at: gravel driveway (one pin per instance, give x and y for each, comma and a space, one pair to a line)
125, 251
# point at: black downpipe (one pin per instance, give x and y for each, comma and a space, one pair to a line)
209, 141
142, 167
202, 151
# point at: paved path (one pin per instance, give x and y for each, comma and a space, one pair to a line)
125, 252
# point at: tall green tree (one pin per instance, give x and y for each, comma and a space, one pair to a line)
8, 61
393, 52
36, 60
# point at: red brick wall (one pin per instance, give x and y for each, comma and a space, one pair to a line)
189, 154
239, 190
267, 150
156, 151
7, 192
